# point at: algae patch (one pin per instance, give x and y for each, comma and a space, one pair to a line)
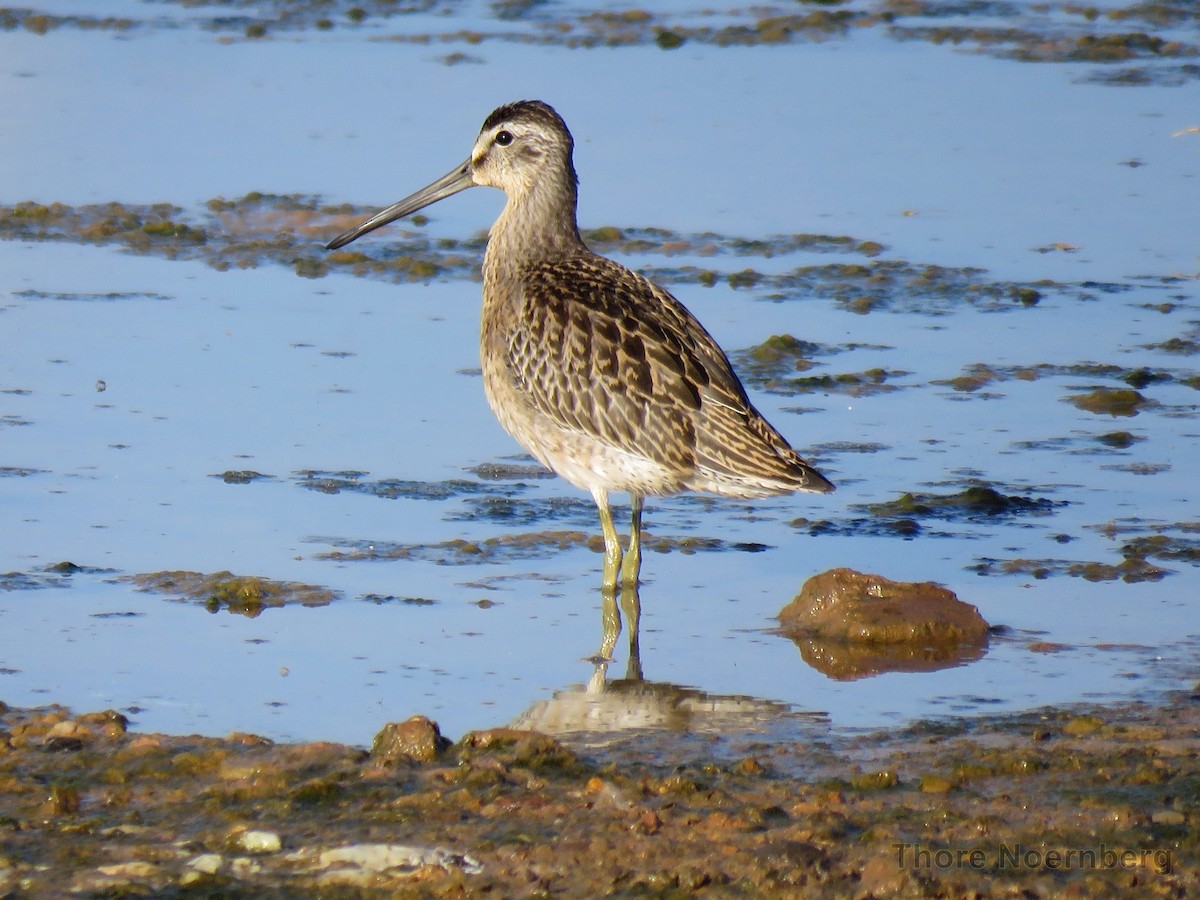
1139, 555
389, 488
973, 503
1139, 43
56, 575
456, 551
513, 546
246, 595
1111, 401
291, 229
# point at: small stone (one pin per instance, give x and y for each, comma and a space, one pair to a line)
1168, 817
749, 766
237, 768
130, 871
416, 740
873, 781
936, 784
207, 863
394, 857
71, 730
258, 842
1083, 725
649, 822
127, 830
108, 722
608, 794
244, 867
63, 801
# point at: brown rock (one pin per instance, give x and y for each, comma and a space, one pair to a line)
846, 605
849, 625
416, 740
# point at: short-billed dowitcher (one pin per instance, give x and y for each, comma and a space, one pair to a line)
601, 374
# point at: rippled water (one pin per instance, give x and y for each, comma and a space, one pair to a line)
129, 384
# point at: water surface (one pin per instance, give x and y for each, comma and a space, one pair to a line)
130, 384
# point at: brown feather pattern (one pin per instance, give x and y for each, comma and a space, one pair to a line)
603, 352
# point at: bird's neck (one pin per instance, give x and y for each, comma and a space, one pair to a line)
536, 224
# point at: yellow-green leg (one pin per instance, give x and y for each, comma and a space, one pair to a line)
612, 544
610, 616
631, 603
631, 566
620, 570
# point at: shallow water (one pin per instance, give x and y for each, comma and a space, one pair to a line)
1025, 171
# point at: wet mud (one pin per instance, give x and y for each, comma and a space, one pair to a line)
89, 807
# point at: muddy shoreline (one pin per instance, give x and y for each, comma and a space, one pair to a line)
1080, 801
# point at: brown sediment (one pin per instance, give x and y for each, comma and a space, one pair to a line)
89, 807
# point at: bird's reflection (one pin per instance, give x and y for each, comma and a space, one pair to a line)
611, 608
632, 703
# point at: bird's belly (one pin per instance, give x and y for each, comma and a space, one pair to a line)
581, 459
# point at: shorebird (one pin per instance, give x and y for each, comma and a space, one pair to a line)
598, 372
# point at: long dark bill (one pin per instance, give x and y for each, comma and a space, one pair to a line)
458, 179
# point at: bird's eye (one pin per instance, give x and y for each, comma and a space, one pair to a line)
504, 138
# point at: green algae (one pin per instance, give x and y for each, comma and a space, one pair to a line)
1174, 543
901, 286
456, 551
856, 384
1140, 43
1087, 38
1130, 570
291, 230
773, 366
538, 544
381, 600
20, 471
776, 359
511, 509
1118, 440
260, 228
978, 501
912, 513
246, 595
1103, 400
83, 297
243, 476
1186, 344
389, 488
42, 23
1111, 401
56, 575
505, 471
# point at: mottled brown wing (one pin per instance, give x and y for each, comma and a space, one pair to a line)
738, 452
603, 352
